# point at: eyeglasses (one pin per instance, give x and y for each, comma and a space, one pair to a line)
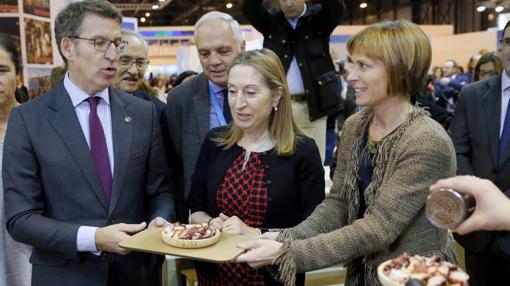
126, 62
102, 44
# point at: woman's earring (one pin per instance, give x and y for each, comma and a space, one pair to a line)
275, 108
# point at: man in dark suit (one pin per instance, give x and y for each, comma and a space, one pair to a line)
299, 34
130, 77
200, 104
480, 130
82, 167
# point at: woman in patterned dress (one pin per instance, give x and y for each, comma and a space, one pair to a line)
258, 172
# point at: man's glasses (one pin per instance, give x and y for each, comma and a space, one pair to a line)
126, 62
102, 44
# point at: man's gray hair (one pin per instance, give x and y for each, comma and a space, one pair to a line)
69, 20
126, 32
231, 22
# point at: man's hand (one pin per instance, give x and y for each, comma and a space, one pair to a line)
158, 222
108, 237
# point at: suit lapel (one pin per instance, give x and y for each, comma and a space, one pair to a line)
202, 103
491, 106
68, 127
122, 131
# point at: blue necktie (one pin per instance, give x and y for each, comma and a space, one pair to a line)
505, 135
98, 149
226, 107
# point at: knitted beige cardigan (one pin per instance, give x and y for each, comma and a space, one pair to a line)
407, 162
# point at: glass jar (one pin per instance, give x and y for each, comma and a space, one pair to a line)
447, 208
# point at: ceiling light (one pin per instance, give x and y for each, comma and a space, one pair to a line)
142, 19
155, 6
161, 0
363, 5
147, 14
499, 9
480, 8
229, 5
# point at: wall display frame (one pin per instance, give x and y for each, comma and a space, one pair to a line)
37, 7
38, 41
9, 6
38, 80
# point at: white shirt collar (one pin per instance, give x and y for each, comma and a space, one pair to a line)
78, 95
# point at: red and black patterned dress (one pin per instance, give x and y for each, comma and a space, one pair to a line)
243, 193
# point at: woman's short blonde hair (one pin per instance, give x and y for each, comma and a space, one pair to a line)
282, 128
402, 47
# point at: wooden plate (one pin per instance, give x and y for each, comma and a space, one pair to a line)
149, 240
189, 243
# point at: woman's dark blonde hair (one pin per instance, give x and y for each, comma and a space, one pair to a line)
282, 128
402, 47
487, 58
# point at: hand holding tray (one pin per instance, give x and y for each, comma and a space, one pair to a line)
150, 240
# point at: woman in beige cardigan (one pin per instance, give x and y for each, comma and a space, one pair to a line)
390, 153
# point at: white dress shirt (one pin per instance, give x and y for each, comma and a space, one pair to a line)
86, 237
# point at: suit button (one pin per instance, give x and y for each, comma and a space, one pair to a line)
285, 56
306, 91
283, 41
270, 36
306, 37
300, 64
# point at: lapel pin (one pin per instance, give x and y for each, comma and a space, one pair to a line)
127, 119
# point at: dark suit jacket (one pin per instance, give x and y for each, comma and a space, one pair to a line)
309, 43
52, 188
188, 123
475, 134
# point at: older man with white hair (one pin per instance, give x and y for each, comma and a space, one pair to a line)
199, 104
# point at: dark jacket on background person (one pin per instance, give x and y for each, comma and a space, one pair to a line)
309, 43
188, 122
474, 130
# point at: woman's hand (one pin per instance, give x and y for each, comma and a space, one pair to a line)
235, 225
270, 235
261, 252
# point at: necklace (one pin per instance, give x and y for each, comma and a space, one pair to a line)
263, 143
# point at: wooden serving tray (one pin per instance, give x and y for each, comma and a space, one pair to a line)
149, 240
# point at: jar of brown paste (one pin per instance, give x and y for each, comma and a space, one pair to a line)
447, 208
